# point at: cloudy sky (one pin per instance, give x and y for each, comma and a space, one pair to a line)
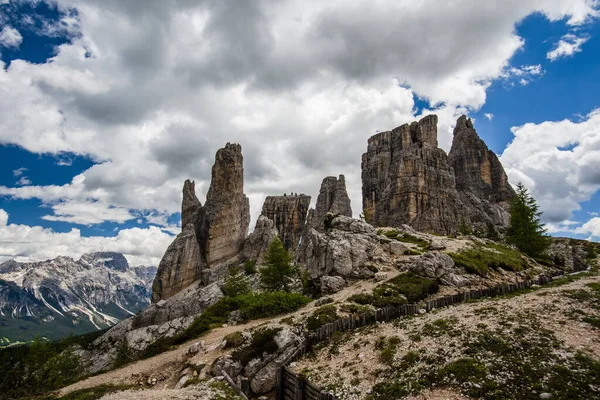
106, 107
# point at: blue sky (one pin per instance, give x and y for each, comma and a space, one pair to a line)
107, 108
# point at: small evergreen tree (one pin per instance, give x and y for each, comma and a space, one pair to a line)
526, 230
278, 270
236, 284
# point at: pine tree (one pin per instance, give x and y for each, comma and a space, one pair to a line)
526, 230
278, 270
236, 284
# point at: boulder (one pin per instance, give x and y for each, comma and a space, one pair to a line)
438, 266
226, 364
332, 284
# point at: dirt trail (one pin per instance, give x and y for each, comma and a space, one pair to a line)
168, 364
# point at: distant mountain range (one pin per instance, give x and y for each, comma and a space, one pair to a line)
58, 297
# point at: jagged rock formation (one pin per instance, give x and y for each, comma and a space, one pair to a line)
219, 228
476, 167
408, 180
180, 266
289, 216
333, 198
350, 249
258, 242
62, 296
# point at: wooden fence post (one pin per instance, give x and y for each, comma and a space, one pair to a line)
299, 387
279, 383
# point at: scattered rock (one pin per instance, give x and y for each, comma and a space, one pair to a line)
437, 244
195, 349
397, 248
380, 276
332, 284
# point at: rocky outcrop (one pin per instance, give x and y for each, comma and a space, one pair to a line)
408, 180
212, 234
180, 266
570, 254
439, 266
476, 167
258, 242
163, 319
333, 198
349, 249
289, 216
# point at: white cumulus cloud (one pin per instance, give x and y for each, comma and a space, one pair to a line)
10, 37
301, 85
558, 162
567, 46
34, 243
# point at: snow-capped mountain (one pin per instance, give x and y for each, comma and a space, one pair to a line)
57, 297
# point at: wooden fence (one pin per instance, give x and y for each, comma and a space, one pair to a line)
292, 386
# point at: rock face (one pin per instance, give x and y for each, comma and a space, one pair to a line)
289, 216
350, 249
258, 242
477, 168
212, 234
180, 266
408, 180
333, 198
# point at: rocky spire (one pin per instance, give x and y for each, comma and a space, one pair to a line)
212, 234
333, 198
190, 204
288, 214
476, 167
225, 217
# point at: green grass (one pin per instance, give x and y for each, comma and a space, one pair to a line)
322, 316
404, 288
94, 393
480, 259
263, 341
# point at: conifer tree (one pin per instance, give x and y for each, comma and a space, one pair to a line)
526, 230
278, 270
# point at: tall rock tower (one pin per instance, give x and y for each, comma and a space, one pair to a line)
407, 179
212, 234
